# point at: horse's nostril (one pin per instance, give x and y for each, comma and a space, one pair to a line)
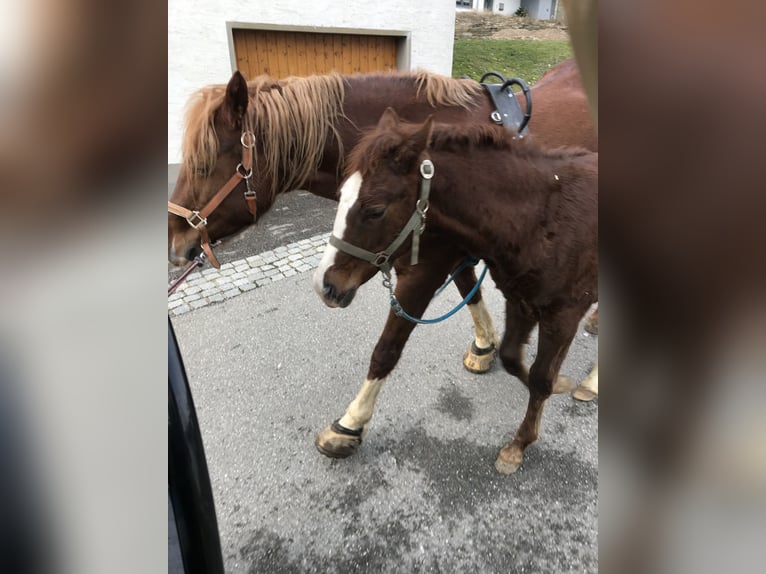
329, 290
192, 252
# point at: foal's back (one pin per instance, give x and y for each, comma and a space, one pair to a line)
538, 206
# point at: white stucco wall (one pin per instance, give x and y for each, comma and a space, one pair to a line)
198, 38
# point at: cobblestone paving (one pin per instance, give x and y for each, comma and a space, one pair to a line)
216, 285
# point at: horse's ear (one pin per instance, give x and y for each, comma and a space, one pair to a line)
235, 101
389, 119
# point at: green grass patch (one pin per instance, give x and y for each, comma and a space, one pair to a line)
525, 59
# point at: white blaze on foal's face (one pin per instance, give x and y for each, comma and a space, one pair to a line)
349, 193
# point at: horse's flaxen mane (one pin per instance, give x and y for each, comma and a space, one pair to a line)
292, 123
199, 146
444, 91
292, 117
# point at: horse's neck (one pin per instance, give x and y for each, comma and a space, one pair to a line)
362, 107
366, 98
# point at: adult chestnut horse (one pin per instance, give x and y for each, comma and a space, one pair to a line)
294, 134
537, 230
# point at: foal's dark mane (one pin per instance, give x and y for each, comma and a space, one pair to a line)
378, 145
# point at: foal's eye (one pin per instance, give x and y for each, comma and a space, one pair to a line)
201, 171
374, 213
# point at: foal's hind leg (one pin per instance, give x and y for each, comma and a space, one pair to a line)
414, 290
520, 321
588, 389
556, 334
482, 352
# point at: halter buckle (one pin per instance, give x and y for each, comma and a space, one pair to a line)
426, 169
200, 220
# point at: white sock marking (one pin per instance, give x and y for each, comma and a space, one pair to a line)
484, 329
349, 192
359, 412
591, 381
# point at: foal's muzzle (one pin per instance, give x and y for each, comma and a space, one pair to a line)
333, 297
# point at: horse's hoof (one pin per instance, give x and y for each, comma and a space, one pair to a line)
479, 361
562, 385
509, 459
582, 394
337, 441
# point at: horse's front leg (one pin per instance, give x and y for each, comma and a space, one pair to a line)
482, 351
414, 289
556, 333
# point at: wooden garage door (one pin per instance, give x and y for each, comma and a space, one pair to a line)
281, 54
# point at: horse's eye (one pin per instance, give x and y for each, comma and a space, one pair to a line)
374, 213
201, 171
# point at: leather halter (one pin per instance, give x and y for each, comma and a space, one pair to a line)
244, 170
416, 225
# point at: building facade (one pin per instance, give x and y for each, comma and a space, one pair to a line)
540, 9
209, 39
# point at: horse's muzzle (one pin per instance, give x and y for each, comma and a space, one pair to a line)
181, 259
333, 297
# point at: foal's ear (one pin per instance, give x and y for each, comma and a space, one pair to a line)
412, 144
389, 119
423, 136
235, 101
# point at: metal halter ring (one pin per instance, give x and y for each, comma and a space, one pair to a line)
422, 207
250, 137
247, 174
427, 169
380, 259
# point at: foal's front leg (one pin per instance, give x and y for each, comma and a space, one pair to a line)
556, 334
414, 289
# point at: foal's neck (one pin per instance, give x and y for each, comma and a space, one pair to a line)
490, 195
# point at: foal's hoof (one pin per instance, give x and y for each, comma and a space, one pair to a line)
562, 385
509, 459
478, 360
337, 441
583, 394
591, 323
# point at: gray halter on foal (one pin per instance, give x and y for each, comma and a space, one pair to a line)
415, 225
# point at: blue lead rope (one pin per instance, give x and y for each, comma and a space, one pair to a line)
399, 312
467, 262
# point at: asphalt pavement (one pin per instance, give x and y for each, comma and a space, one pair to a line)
272, 366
